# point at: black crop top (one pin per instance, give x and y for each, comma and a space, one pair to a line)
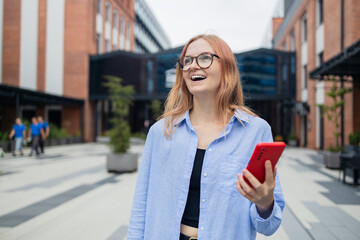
192, 208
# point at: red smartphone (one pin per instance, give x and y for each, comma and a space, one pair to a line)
264, 151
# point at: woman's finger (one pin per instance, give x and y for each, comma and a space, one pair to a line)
269, 174
242, 192
246, 187
252, 179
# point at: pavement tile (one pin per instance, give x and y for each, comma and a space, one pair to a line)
67, 194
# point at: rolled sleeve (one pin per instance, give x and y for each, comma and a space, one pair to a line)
138, 213
269, 225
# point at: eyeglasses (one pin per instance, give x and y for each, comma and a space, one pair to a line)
204, 61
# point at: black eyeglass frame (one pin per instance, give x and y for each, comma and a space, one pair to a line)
196, 59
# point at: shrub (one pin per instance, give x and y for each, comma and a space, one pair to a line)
121, 99
354, 138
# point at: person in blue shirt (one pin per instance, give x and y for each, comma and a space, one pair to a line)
35, 132
19, 132
45, 126
190, 183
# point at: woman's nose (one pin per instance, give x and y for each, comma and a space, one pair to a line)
194, 65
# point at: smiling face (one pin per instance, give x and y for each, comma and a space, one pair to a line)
202, 81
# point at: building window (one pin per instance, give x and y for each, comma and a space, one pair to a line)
320, 59
304, 28
98, 43
320, 11
122, 33
115, 31
304, 76
108, 12
115, 19
107, 45
100, 7
292, 41
128, 36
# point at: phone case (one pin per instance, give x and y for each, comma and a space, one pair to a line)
264, 151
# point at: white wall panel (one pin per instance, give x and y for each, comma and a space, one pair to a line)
107, 30
1, 35
304, 51
28, 43
304, 95
320, 39
99, 23
115, 37
55, 21
320, 92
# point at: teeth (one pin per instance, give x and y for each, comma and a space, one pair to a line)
197, 77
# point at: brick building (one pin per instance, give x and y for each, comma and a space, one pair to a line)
44, 58
325, 34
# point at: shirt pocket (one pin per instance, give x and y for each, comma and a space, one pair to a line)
229, 168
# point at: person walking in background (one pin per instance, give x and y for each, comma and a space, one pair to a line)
45, 126
35, 132
190, 183
19, 131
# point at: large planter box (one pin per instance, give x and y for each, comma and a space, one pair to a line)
292, 142
54, 141
62, 141
121, 162
7, 146
332, 160
77, 139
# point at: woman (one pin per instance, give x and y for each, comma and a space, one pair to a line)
190, 183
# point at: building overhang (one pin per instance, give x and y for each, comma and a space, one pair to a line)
346, 63
29, 97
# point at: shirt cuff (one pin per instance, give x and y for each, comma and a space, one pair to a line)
269, 225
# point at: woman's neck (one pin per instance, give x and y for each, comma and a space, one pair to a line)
205, 111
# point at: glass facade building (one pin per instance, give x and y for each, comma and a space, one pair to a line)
268, 80
149, 36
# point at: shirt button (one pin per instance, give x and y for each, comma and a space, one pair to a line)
205, 174
202, 228
210, 149
203, 200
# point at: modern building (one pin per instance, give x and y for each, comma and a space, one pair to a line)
325, 34
44, 57
149, 35
268, 78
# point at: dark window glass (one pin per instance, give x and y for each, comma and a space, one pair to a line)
321, 12
304, 29
305, 76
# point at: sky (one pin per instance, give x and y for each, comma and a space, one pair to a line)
241, 23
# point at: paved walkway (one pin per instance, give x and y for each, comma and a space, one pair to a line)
67, 194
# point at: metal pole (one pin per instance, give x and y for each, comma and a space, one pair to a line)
342, 111
342, 25
96, 119
17, 105
342, 77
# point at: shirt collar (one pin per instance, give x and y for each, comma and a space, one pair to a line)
238, 115
185, 116
241, 116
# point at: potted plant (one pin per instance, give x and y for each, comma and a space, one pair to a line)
292, 140
120, 160
332, 155
56, 134
354, 140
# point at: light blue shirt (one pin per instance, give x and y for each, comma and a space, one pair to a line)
164, 177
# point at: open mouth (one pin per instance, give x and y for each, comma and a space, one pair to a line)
197, 77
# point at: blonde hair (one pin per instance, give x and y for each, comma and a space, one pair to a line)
229, 97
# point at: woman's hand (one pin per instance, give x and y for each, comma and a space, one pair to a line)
261, 194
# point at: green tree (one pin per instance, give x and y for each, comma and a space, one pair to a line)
332, 111
155, 109
121, 99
